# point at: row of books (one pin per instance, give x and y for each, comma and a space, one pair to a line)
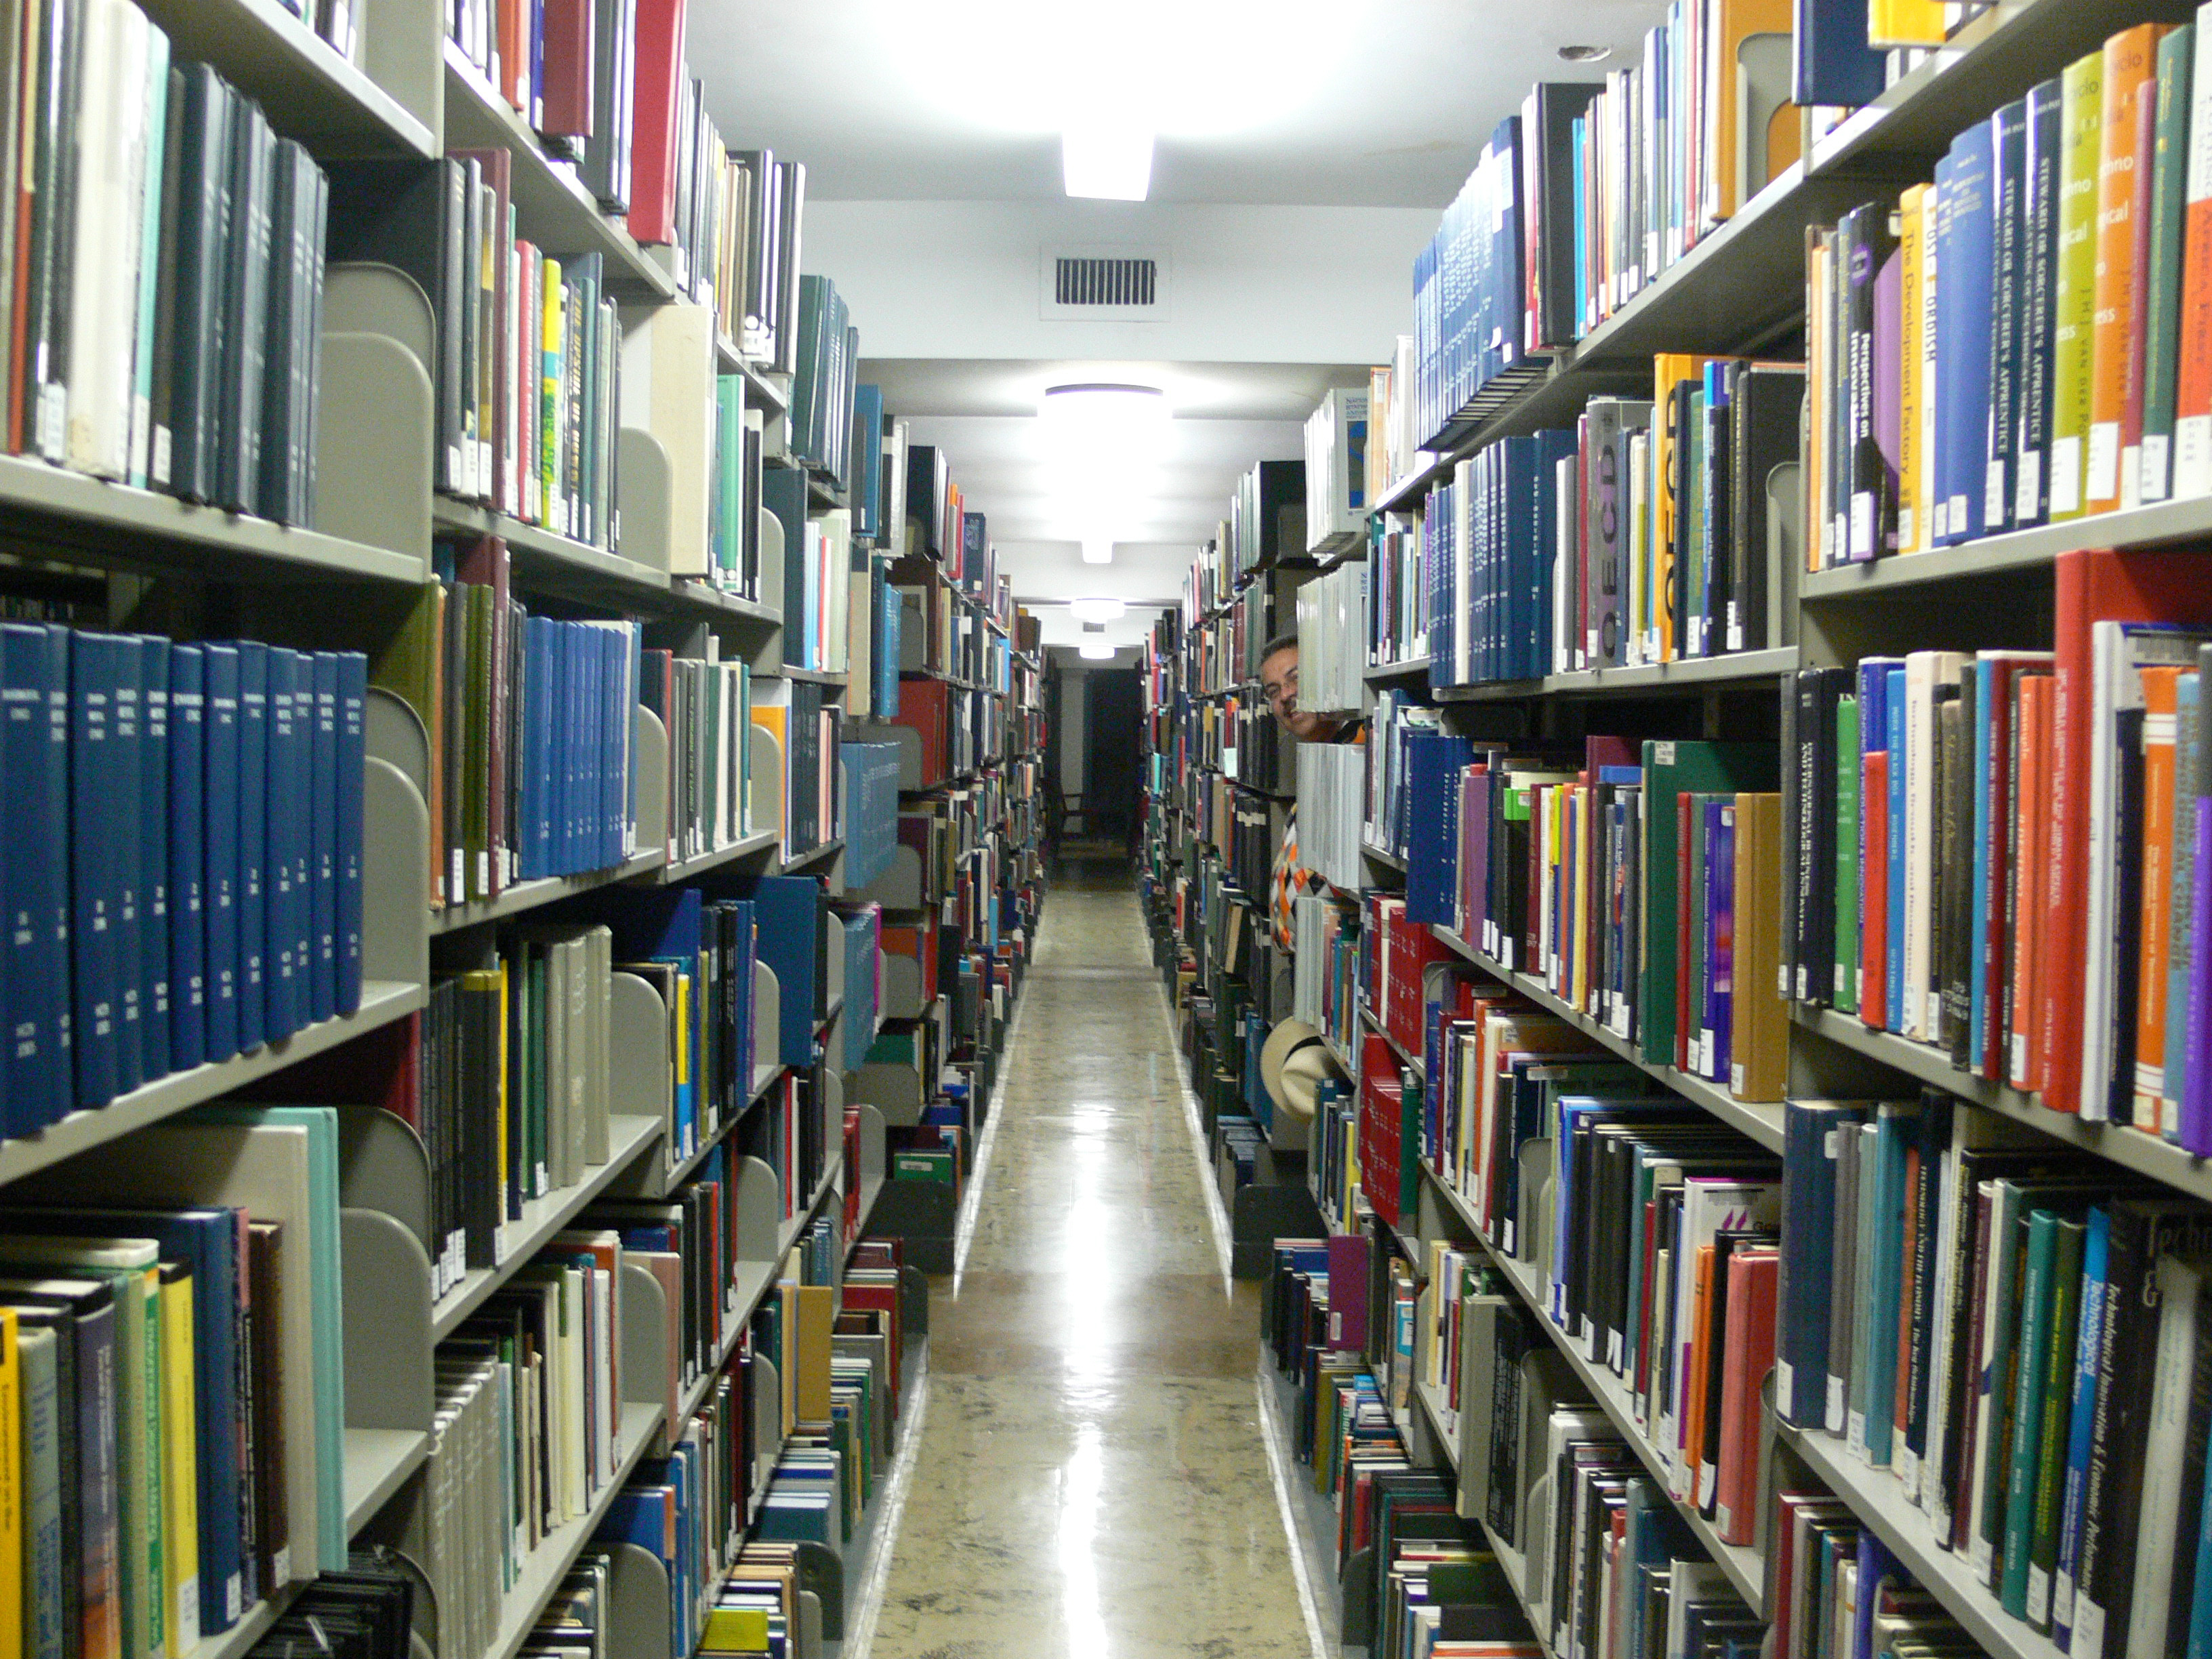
1266, 526
532, 724
526, 1431
1643, 889
366, 1612
1939, 416
2016, 882
1337, 491
527, 387
707, 707
596, 83
186, 860
825, 382
1438, 1587
1334, 640
733, 235
165, 322
1399, 595
175, 1458
2012, 1332
1645, 535
1332, 797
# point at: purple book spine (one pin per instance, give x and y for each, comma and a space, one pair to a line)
2196, 1083
1720, 912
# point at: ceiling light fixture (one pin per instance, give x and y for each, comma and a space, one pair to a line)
1098, 610
1094, 651
1585, 54
1106, 159
1097, 550
1102, 409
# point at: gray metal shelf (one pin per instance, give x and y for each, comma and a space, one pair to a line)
2146, 1154
1739, 667
2015, 554
381, 1002
1759, 1120
526, 896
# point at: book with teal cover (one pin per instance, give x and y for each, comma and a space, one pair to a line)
2037, 1297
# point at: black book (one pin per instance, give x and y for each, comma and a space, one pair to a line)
2127, 916
791, 201
1763, 413
51, 115
295, 200
1681, 409
605, 168
1794, 966
1713, 583
196, 347
159, 460
1550, 137
1871, 523
407, 214
246, 325
1819, 690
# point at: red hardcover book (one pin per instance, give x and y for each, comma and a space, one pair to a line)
656, 95
1753, 1280
514, 58
565, 93
2093, 585
926, 706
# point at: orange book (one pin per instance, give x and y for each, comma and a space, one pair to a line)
1754, 1283
2154, 1113
1691, 1427
1738, 20
2031, 740
2130, 66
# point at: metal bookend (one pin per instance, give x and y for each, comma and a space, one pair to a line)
638, 1079
387, 1323
648, 492
395, 923
375, 454
649, 741
638, 1601
645, 1338
767, 780
898, 888
767, 1011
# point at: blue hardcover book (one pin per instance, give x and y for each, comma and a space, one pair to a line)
1893, 703
570, 752
2089, 1336
187, 857
1879, 1573
252, 797
322, 669
616, 701
219, 846
788, 912
1967, 262
352, 766
1433, 760
206, 1240
290, 790
34, 876
96, 882
1835, 65
1808, 1215
155, 1010
1553, 446
1874, 739
125, 738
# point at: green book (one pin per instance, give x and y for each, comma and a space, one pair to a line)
2057, 1418
1845, 994
2081, 131
1692, 506
933, 1163
2038, 1296
1672, 768
2161, 320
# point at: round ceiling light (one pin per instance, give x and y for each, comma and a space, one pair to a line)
1585, 54
1094, 651
1098, 610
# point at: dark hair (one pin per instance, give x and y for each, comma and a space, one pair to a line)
1281, 642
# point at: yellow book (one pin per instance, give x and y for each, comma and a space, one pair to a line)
1893, 23
2081, 117
553, 507
179, 1442
1816, 530
1912, 281
736, 1629
11, 1491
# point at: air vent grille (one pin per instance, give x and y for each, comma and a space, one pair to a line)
1094, 281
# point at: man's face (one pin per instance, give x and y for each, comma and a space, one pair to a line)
1278, 683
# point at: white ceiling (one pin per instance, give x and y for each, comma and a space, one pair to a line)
1290, 134
1329, 102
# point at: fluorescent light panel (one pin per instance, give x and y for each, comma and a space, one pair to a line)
1094, 651
1106, 160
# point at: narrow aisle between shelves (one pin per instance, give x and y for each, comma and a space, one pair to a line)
1091, 1480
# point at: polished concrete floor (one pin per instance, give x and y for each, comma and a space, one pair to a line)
1092, 1481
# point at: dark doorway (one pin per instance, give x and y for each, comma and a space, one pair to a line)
1113, 752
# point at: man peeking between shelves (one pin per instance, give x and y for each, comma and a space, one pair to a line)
1278, 683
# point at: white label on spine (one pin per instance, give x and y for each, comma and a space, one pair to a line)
1862, 544
2039, 1595
2030, 499
2104, 461
2065, 477
2192, 463
1993, 494
2151, 481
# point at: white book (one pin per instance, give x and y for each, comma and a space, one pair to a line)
1710, 1204
2181, 1287
1923, 671
103, 244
